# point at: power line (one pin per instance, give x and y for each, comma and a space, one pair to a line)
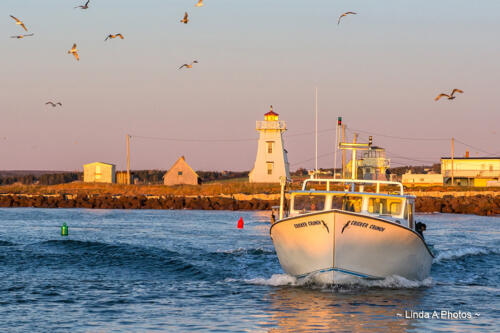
478, 149
398, 137
190, 140
310, 159
223, 140
412, 159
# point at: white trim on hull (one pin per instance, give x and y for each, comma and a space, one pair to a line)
336, 246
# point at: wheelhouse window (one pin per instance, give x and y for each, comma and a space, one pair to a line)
338, 201
352, 203
384, 206
308, 203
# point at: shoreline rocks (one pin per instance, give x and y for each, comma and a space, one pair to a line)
486, 205
135, 202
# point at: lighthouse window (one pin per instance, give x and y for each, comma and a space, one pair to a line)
270, 166
270, 147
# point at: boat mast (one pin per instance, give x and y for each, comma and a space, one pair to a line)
316, 132
337, 133
354, 167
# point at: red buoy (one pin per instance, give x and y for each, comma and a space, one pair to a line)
240, 223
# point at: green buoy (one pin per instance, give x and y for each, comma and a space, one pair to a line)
64, 229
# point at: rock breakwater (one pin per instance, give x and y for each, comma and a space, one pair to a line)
478, 205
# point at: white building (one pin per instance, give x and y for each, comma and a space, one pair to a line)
271, 162
99, 172
422, 179
470, 171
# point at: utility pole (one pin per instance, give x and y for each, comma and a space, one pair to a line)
343, 152
452, 175
128, 159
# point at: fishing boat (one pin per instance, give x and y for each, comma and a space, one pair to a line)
339, 230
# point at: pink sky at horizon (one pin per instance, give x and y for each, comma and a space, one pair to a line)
380, 70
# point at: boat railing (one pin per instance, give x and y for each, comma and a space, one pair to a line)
353, 182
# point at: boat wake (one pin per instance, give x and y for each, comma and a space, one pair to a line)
391, 282
464, 252
243, 251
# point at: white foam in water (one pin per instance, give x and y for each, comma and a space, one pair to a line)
392, 282
396, 282
454, 254
243, 250
275, 280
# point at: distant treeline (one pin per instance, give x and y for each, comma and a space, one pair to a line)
142, 176
156, 176
207, 176
44, 179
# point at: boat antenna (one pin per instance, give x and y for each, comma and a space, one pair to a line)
337, 134
316, 130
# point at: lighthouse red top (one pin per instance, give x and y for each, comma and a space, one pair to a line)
271, 115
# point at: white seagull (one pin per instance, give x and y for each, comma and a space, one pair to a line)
53, 104
185, 20
86, 6
74, 52
21, 36
345, 14
19, 22
189, 65
450, 96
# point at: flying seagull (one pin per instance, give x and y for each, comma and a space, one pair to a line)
74, 52
185, 20
86, 6
53, 104
345, 14
21, 36
199, 4
114, 36
451, 96
189, 65
19, 22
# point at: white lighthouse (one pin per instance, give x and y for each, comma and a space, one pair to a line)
271, 162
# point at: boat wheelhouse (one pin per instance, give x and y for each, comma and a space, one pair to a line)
397, 207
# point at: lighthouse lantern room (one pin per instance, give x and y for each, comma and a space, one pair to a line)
271, 162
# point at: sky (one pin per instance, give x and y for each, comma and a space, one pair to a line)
380, 70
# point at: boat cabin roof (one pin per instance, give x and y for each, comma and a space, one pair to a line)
389, 204
351, 184
371, 194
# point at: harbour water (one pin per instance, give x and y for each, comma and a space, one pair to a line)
185, 271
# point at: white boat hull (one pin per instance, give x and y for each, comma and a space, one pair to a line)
337, 246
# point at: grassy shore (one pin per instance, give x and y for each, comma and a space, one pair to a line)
211, 189
238, 186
